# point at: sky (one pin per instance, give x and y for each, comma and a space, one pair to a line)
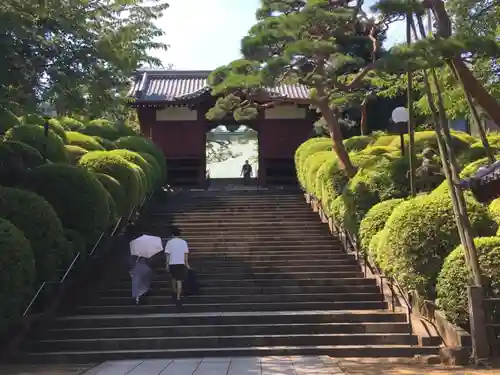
205, 34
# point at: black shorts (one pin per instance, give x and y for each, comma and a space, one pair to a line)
178, 271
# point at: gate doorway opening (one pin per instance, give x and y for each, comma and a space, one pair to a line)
228, 147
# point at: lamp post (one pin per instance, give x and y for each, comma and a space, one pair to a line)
400, 116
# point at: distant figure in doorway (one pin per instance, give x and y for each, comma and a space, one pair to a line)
176, 252
246, 172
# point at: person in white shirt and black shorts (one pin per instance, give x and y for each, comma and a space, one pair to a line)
177, 263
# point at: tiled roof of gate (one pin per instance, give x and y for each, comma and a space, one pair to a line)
179, 85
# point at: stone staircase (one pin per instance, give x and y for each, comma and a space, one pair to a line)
275, 282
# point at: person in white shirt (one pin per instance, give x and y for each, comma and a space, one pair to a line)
176, 252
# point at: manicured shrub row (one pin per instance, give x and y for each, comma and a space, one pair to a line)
412, 239
58, 194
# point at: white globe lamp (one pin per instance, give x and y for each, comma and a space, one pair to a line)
400, 114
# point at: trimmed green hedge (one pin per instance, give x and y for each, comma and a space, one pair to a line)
76, 244
7, 120
357, 142
386, 140
425, 139
30, 156
305, 150
36, 218
418, 236
74, 153
142, 145
106, 143
70, 124
381, 150
137, 159
34, 136
118, 168
76, 195
84, 141
101, 128
17, 265
454, 278
156, 169
310, 170
116, 191
374, 220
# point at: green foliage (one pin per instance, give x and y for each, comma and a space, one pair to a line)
418, 236
56, 127
74, 153
77, 197
374, 221
101, 128
116, 191
143, 145
36, 218
118, 168
33, 119
427, 139
76, 243
357, 143
475, 152
35, 137
494, 209
155, 167
70, 124
30, 157
468, 171
454, 278
18, 274
381, 150
307, 149
84, 141
385, 140
106, 143
311, 166
137, 159
7, 120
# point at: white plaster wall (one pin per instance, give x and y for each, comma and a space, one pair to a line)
285, 112
176, 114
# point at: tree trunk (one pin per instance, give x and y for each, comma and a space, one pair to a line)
364, 118
337, 139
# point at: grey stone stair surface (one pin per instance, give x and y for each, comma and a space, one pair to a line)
273, 282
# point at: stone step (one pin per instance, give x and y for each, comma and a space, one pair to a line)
216, 251
340, 351
231, 307
159, 343
242, 257
269, 242
268, 229
239, 225
184, 216
264, 283
225, 330
213, 262
225, 318
242, 291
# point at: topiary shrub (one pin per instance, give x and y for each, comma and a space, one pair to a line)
17, 265
418, 236
101, 128
57, 128
74, 153
310, 169
116, 191
84, 141
475, 152
7, 120
357, 142
76, 243
380, 150
374, 220
143, 145
306, 149
427, 139
157, 174
138, 160
30, 157
465, 137
378, 180
106, 143
76, 195
34, 136
33, 119
384, 140
494, 209
36, 218
70, 124
118, 168
452, 282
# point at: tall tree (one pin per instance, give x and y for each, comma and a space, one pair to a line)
327, 45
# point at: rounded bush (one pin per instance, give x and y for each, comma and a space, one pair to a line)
380, 150
36, 218
427, 139
76, 195
494, 209
475, 152
84, 141
7, 120
156, 169
306, 149
357, 143
76, 243
116, 191
375, 219
466, 137
74, 153
385, 140
106, 143
418, 236
34, 136
137, 159
101, 128
468, 171
142, 145
30, 156
57, 128
381, 179
33, 119
310, 169
18, 274
452, 282
70, 124
118, 168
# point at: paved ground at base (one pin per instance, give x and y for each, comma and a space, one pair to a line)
296, 365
